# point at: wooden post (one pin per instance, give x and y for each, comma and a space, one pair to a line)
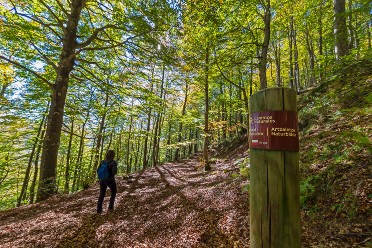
274, 173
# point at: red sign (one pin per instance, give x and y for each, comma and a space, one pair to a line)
274, 130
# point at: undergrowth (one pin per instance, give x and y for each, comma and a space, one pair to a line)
335, 143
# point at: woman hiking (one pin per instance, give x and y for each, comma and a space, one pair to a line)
106, 173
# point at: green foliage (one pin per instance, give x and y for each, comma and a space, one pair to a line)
307, 188
142, 59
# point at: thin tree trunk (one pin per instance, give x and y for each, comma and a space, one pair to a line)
296, 64
191, 137
176, 156
368, 26
277, 63
136, 154
145, 149
265, 46
350, 25
156, 146
36, 165
68, 158
48, 166
79, 163
291, 70
230, 111
320, 45
22, 195
196, 144
310, 50
207, 166
251, 78
168, 153
97, 154
128, 170
340, 29
223, 114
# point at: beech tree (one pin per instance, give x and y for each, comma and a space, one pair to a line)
340, 29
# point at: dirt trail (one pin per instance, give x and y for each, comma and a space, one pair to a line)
171, 205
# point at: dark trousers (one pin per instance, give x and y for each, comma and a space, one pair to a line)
102, 192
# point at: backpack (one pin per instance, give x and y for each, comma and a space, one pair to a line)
102, 171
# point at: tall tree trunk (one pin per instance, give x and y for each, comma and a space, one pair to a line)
223, 114
196, 144
276, 46
48, 167
145, 147
79, 164
137, 153
68, 158
251, 78
240, 114
320, 42
207, 166
191, 137
350, 25
180, 130
310, 50
98, 151
230, 111
340, 30
128, 169
296, 63
157, 128
368, 26
291, 70
36, 165
265, 46
168, 153
22, 195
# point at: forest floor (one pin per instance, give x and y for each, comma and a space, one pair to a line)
171, 205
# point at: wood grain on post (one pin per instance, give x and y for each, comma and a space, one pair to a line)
274, 182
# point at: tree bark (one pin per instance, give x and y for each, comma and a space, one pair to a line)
22, 195
320, 43
128, 165
350, 25
48, 166
340, 29
97, 153
207, 166
276, 46
265, 46
36, 164
291, 70
296, 64
310, 49
77, 177
145, 147
68, 158
168, 153
180, 130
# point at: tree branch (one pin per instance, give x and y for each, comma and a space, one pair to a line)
53, 14
29, 70
95, 35
45, 57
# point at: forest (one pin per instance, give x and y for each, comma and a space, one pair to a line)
166, 81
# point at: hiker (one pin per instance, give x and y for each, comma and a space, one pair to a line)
106, 173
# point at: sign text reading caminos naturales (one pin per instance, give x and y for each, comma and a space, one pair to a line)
274, 130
